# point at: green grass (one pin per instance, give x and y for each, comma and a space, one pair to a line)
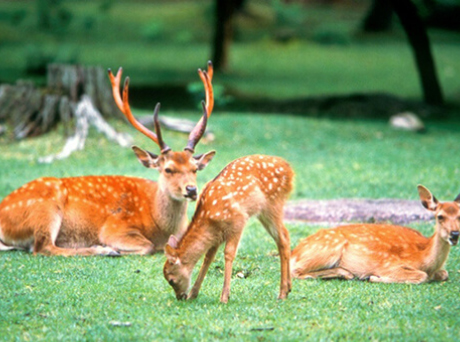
80, 299
332, 158
77, 299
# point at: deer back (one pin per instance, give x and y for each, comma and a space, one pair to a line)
247, 186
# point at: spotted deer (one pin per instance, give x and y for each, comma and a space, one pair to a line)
381, 253
255, 185
110, 215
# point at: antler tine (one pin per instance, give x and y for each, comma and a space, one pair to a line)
206, 78
200, 128
123, 105
210, 70
164, 148
129, 115
198, 131
115, 80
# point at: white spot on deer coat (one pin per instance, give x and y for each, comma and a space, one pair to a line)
230, 195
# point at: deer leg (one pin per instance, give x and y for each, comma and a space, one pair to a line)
402, 274
330, 273
441, 275
231, 248
125, 240
46, 233
82, 251
208, 259
275, 227
4, 247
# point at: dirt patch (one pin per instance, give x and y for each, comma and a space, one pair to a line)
357, 210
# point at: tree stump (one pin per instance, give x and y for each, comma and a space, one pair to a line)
32, 111
75, 96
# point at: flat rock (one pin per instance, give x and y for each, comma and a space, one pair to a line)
357, 210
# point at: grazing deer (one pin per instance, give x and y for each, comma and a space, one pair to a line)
110, 215
381, 253
250, 186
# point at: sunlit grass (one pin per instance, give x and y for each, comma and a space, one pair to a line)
332, 158
83, 299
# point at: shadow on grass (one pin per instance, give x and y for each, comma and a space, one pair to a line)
347, 106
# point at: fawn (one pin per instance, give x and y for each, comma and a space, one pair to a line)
110, 215
381, 253
255, 185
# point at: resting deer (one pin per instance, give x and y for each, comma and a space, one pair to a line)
110, 215
381, 253
250, 186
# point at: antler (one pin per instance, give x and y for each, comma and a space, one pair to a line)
200, 128
206, 77
124, 107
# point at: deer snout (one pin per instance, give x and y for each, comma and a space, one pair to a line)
181, 296
453, 238
191, 192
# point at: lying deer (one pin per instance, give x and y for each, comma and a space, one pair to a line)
250, 186
109, 215
381, 253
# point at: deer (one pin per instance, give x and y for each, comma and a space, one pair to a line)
110, 215
255, 185
381, 253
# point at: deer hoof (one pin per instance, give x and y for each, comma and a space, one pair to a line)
107, 251
113, 253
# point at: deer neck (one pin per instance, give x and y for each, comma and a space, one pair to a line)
196, 242
169, 214
436, 253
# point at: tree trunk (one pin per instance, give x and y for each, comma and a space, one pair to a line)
378, 19
420, 44
223, 31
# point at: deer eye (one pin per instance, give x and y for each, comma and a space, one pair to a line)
169, 171
441, 218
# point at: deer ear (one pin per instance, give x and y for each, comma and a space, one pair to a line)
428, 200
171, 250
171, 255
146, 158
457, 199
203, 160
173, 241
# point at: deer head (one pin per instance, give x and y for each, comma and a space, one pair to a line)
174, 272
177, 169
447, 215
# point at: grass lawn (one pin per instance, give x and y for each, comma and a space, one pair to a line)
100, 299
128, 299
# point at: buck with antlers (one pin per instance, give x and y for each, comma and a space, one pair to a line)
381, 253
110, 215
250, 186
